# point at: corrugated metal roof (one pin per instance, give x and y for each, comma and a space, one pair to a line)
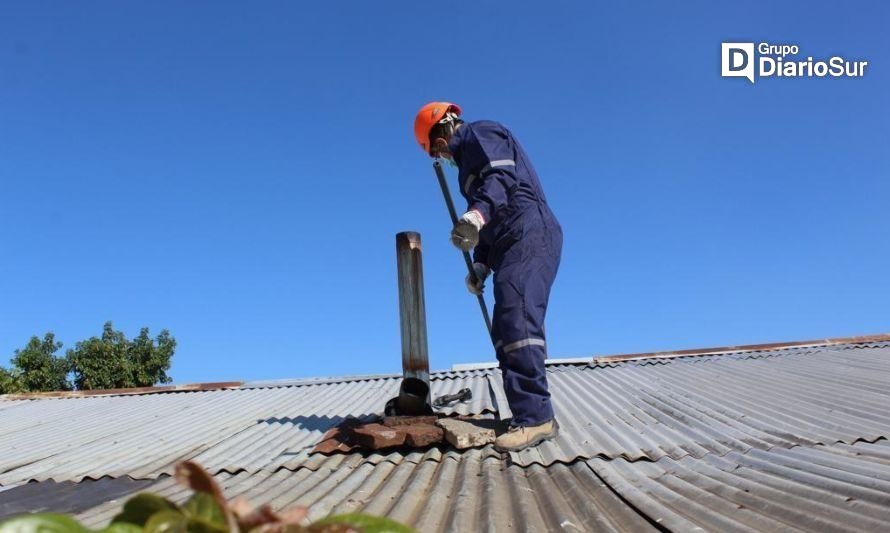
729, 442
67, 496
717, 405
5, 404
806, 488
473, 491
143, 436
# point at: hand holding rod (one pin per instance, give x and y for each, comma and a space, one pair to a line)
443, 184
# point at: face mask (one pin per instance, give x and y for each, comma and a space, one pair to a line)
449, 160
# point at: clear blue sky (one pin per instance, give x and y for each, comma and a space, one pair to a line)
236, 173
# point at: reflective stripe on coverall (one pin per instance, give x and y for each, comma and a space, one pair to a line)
521, 242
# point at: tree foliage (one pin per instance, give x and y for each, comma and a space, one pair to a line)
10, 382
107, 362
113, 362
39, 369
150, 359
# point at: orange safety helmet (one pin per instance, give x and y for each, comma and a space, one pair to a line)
428, 116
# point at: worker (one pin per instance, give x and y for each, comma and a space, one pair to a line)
514, 234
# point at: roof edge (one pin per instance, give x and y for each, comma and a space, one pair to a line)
192, 387
864, 339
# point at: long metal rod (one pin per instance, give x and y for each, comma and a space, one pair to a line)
443, 184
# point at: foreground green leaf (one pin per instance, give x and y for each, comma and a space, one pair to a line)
167, 522
202, 507
122, 527
365, 523
141, 507
42, 523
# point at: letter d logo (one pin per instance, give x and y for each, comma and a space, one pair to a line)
737, 60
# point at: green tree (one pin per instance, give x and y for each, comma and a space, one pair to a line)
38, 368
10, 382
113, 362
150, 359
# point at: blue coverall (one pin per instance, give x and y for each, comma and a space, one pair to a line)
521, 242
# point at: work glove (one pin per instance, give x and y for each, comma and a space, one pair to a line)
476, 280
465, 234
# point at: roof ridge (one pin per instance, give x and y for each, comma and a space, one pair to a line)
442, 374
723, 350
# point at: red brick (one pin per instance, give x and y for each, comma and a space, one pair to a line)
329, 446
396, 421
423, 435
377, 436
338, 439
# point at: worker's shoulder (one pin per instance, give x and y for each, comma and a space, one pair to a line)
486, 131
486, 125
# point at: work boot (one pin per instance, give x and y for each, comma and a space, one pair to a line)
519, 438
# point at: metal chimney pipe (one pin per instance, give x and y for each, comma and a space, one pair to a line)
414, 394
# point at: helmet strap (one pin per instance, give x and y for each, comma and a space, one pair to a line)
444, 128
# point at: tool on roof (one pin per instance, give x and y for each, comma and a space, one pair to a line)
443, 184
447, 399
